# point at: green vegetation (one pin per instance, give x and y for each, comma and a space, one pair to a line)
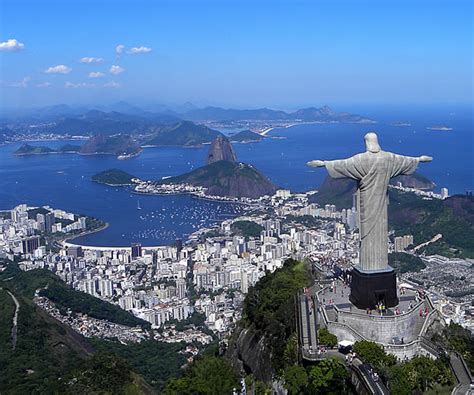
374, 355
80, 302
452, 217
246, 228
269, 307
456, 338
210, 375
118, 144
28, 149
327, 376
403, 262
105, 374
327, 338
113, 177
415, 376
26, 283
45, 350
51, 358
419, 375
155, 361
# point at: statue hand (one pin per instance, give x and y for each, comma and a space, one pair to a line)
316, 163
425, 158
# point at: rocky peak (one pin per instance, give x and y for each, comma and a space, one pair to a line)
220, 149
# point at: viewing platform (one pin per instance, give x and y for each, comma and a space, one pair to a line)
400, 330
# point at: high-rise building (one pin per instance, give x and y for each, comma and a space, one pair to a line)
49, 221
179, 247
136, 250
444, 193
75, 251
30, 244
402, 242
181, 288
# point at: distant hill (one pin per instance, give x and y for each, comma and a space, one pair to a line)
246, 136
224, 178
28, 149
113, 177
184, 133
220, 149
311, 114
120, 144
49, 356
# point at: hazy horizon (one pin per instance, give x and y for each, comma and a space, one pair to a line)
235, 54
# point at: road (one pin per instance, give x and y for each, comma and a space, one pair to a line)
15, 319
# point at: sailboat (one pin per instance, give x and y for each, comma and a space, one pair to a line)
138, 205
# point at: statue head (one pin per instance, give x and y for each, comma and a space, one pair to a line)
372, 142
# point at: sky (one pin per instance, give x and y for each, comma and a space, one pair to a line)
280, 54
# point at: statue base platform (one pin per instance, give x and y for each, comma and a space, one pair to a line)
370, 288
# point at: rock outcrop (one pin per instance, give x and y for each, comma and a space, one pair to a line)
220, 149
248, 354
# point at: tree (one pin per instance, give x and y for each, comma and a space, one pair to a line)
291, 351
374, 354
208, 376
327, 374
296, 379
327, 338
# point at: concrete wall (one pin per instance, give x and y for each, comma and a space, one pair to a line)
384, 329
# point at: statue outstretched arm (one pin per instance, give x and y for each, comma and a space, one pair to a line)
316, 163
425, 158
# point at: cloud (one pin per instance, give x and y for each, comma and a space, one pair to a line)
22, 84
112, 84
116, 69
91, 60
138, 50
96, 74
43, 85
119, 49
78, 85
59, 69
11, 45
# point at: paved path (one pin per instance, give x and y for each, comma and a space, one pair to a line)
308, 326
377, 386
462, 375
15, 319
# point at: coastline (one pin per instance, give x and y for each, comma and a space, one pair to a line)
66, 242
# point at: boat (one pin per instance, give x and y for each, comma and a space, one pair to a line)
138, 205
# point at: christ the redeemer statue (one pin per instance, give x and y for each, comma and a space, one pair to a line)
372, 170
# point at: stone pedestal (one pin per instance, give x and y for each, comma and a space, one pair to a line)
370, 288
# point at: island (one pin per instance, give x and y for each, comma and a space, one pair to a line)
113, 177
400, 124
124, 146
246, 136
28, 149
120, 144
441, 128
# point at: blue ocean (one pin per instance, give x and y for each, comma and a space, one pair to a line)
63, 181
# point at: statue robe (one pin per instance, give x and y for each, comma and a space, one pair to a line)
372, 171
